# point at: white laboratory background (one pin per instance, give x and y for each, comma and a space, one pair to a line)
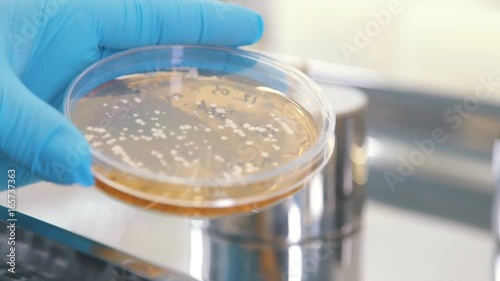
442, 45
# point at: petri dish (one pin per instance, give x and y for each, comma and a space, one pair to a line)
200, 131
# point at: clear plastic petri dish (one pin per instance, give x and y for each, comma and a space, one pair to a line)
200, 131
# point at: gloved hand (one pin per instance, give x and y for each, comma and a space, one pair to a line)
44, 44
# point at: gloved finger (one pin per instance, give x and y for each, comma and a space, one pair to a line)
14, 175
37, 137
136, 23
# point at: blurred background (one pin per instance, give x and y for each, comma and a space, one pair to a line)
416, 61
437, 45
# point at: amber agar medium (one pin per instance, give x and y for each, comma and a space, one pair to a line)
200, 131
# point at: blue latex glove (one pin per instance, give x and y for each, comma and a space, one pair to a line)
44, 44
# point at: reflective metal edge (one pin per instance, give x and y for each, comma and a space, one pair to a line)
91, 248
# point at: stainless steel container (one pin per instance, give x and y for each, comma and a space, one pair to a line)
495, 224
273, 243
496, 203
221, 259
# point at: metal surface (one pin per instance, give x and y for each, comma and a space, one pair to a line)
224, 259
496, 204
496, 266
46, 253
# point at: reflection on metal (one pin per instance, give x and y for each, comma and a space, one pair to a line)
496, 204
47, 253
197, 251
314, 260
294, 223
496, 265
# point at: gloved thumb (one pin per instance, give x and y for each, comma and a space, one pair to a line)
37, 137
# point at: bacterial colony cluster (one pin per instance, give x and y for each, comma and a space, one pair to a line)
187, 125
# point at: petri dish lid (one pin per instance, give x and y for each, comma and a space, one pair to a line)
345, 101
200, 127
